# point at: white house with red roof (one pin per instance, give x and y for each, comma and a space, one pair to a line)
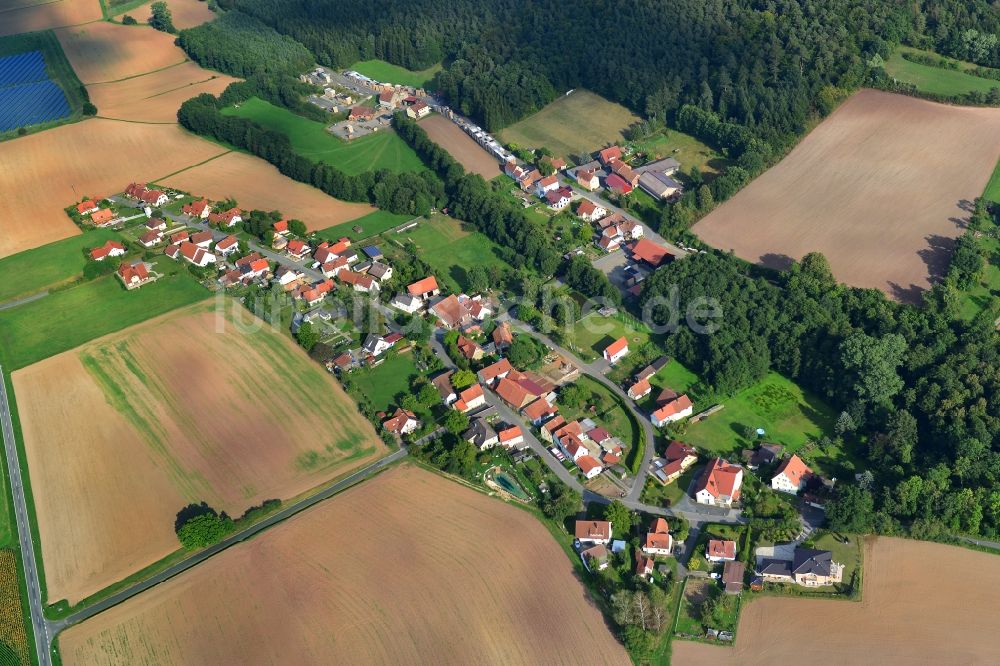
134, 275
589, 465
792, 475
402, 422
471, 398
658, 539
358, 281
200, 209
546, 184
609, 155
86, 207
593, 531
587, 179
418, 110
559, 198
297, 249
104, 218
616, 351
191, 253
227, 218
110, 249
424, 289
719, 550
202, 239
590, 211
151, 238
719, 484
674, 410
281, 227
511, 437
640, 389
227, 246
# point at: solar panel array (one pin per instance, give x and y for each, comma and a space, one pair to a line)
27, 95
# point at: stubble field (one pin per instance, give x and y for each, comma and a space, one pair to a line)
406, 568
257, 184
43, 173
106, 51
469, 154
166, 413
17, 16
185, 13
923, 603
155, 97
882, 187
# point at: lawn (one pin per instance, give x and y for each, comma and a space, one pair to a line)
937, 80
658, 494
575, 124
684, 148
381, 385
42, 268
594, 332
371, 224
789, 416
386, 72
450, 247
614, 418
381, 150
68, 318
986, 293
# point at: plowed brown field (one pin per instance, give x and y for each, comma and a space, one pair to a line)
406, 568
155, 97
17, 16
470, 154
923, 603
43, 173
170, 412
106, 51
256, 184
882, 187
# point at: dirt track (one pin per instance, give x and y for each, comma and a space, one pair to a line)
166, 413
923, 603
406, 568
470, 154
882, 187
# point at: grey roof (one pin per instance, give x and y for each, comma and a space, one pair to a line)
775, 568
480, 432
658, 183
816, 562
371, 342
666, 165
378, 269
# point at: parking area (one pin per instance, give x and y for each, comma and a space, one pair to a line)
621, 270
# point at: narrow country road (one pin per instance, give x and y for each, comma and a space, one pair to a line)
22, 301
40, 628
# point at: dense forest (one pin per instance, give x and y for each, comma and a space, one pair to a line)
241, 45
921, 389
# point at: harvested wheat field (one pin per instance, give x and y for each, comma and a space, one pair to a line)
185, 13
405, 568
255, 183
17, 16
107, 51
155, 97
172, 411
470, 154
882, 187
42, 173
923, 603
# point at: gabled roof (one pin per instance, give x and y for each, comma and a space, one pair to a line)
510, 434
593, 529
451, 311
720, 548
513, 393
641, 387
494, 370
815, 562
610, 154
423, 286
400, 417
673, 407
442, 382
794, 469
553, 424
502, 334
649, 252
588, 208
587, 464
678, 451
721, 478
616, 347
227, 242
548, 181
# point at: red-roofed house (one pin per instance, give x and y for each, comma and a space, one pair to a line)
593, 531
226, 218
640, 389
495, 371
650, 253
196, 255
179, 237
643, 565
150, 238
551, 426
281, 227
358, 282
199, 209
387, 99
86, 207
297, 249
539, 411
559, 198
682, 453
511, 437
719, 484
625, 172
109, 249
616, 183
675, 410
471, 398
589, 466
546, 184
402, 422
202, 239
135, 190
616, 350
418, 110
720, 551
227, 245
361, 113
514, 394
658, 539
154, 197
469, 349
590, 211
609, 155
587, 179
134, 275
792, 476
452, 313
103, 217
502, 336
426, 288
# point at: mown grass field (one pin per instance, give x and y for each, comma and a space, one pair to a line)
450, 247
581, 122
684, 148
937, 80
382, 150
371, 224
32, 271
386, 72
68, 318
381, 385
594, 332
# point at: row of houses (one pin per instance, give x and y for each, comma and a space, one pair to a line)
610, 171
